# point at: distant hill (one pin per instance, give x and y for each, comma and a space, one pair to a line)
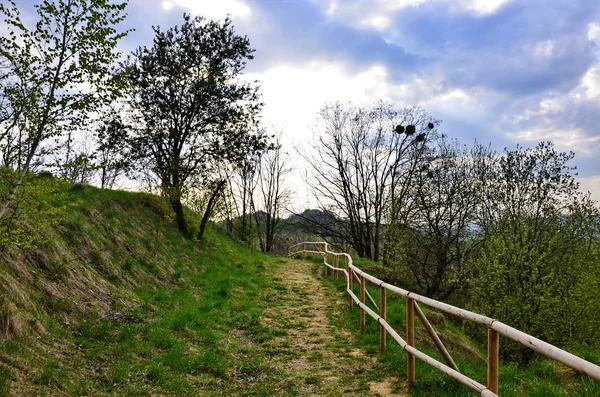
314, 216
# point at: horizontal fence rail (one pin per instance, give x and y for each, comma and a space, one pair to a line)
352, 274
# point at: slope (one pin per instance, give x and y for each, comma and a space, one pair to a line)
114, 301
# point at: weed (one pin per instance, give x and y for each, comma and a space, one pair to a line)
127, 265
61, 269
162, 339
6, 375
315, 357
94, 331
312, 380
147, 263
78, 187
48, 375
156, 372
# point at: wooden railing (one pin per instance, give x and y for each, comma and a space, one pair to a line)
496, 328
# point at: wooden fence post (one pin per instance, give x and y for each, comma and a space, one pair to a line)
435, 338
351, 286
362, 300
410, 339
383, 315
493, 353
326, 261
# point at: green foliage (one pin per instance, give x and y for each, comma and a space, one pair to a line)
34, 210
542, 285
510, 233
193, 113
538, 265
117, 320
73, 44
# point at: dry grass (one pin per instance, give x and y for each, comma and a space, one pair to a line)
11, 323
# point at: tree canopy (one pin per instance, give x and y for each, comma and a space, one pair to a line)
191, 111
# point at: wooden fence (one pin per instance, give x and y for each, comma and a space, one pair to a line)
495, 328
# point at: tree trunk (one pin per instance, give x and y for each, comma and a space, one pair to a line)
179, 216
209, 208
270, 231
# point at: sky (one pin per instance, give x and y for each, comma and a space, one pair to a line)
504, 72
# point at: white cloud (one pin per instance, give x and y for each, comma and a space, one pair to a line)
591, 83
377, 23
371, 14
550, 107
365, 12
376, 6
333, 6
557, 118
543, 49
294, 94
211, 9
482, 7
590, 184
564, 137
566, 118
593, 31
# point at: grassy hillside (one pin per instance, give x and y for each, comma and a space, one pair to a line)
114, 301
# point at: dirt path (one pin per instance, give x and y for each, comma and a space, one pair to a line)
316, 353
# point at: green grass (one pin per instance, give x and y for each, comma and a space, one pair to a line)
542, 377
138, 310
6, 375
183, 332
115, 302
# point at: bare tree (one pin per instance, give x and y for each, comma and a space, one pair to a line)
273, 168
431, 242
244, 184
111, 155
360, 159
73, 158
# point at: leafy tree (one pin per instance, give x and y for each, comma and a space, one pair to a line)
10, 135
35, 209
539, 255
72, 45
192, 113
